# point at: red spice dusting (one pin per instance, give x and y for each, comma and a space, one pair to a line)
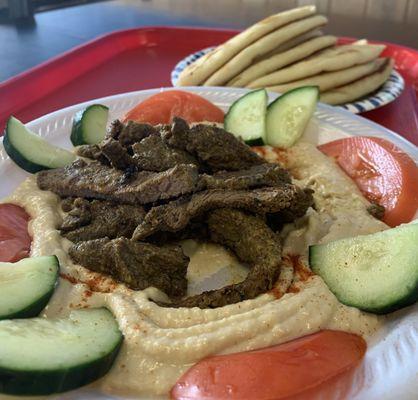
98, 283
69, 278
101, 283
301, 270
260, 150
88, 293
281, 155
293, 289
276, 293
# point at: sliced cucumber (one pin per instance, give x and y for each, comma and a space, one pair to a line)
246, 117
376, 273
26, 286
288, 116
41, 356
89, 125
32, 152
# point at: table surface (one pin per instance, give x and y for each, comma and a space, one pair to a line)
26, 44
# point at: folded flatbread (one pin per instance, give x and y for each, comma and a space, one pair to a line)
196, 73
359, 88
262, 46
340, 57
281, 60
291, 43
331, 80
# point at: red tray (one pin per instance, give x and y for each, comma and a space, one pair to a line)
143, 58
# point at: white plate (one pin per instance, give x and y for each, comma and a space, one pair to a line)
388, 92
390, 368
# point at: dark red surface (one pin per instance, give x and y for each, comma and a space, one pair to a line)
143, 58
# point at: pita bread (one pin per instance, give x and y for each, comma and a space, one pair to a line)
199, 71
331, 80
359, 88
340, 57
291, 43
262, 46
281, 60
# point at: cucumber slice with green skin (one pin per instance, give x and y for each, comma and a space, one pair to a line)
246, 118
89, 125
288, 116
376, 273
26, 286
42, 356
32, 152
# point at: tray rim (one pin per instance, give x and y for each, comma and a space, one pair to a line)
323, 109
29, 77
121, 32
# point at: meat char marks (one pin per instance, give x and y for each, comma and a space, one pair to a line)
253, 177
145, 187
87, 220
177, 214
214, 149
213, 146
96, 181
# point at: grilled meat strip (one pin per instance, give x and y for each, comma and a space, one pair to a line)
88, 220
212, 146
92, 151
255, 176
176, 215
108, 152
296, 210
138, 265
117, 155
98, 181
132, 132
153, 154
254, 243
150, 154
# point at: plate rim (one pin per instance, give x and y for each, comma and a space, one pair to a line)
324, 111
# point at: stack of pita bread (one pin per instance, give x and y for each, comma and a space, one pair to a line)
288, 50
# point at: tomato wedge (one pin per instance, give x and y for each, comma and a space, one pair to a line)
15, 241
162, 107
383, 172
290, 370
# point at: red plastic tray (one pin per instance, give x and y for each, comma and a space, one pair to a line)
143, 58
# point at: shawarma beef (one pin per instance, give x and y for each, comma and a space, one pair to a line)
175, 215
153, 154
96, 181
256, 176
92, 151
117, 155
254, 243
212, 146
195, 182
95, 219
138, 265
132, 132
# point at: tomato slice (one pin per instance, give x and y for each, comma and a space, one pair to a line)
286, 371
383, 172
162, 107
15, 241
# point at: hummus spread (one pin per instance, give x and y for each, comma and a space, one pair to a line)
162, 343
